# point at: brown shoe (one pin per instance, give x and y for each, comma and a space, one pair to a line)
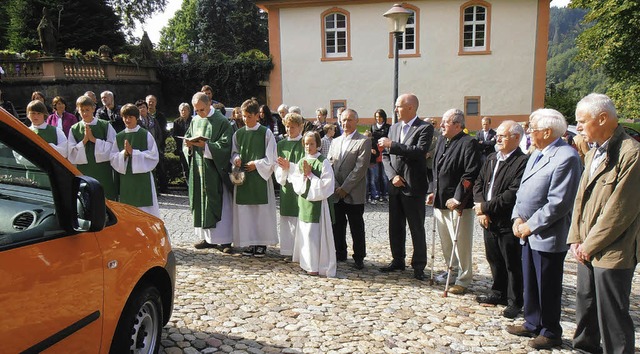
457, 289
520, 330
202, 245
542, 342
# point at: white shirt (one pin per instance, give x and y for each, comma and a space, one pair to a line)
500, 157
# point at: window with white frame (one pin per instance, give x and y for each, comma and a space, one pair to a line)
336, 35
475, 28
408, 42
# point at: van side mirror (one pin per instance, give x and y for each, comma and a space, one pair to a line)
90, 204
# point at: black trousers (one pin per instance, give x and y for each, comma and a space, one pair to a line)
542, 275
353, 213
602, 310
504, 255
402, 210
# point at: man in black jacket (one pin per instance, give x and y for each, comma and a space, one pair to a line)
486, 139
455, 169
110, 111
406, 168
494, 197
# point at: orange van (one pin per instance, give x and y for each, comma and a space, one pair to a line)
78, 274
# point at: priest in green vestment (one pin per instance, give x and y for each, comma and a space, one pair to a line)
207, 145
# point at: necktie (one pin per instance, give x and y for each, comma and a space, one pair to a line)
405, 130
537, 159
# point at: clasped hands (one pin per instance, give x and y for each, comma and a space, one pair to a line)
483, 220
521, 229
88, 135
579, 253
249, 166
128, 149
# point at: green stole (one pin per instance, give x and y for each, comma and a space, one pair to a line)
251, 147
135, 188
101, 171
49, 135
294, 152
208, 176
310, 211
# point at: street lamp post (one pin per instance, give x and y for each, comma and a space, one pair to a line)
397, 17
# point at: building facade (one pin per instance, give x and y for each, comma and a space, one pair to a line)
487, 58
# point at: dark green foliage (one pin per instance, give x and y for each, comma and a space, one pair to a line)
181, 34
138, 10
232, 79
83, 24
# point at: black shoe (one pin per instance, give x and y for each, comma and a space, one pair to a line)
202, 245
359, 264
260, 251
393, 266
491, 299
341, 258
511, 311
226, 248
418, 274
249, 251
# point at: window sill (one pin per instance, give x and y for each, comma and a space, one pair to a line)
477, 52
335, 59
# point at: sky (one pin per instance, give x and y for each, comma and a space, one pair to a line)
158, 21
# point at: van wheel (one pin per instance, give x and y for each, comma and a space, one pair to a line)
140, 325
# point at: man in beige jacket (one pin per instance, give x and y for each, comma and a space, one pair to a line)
605, 230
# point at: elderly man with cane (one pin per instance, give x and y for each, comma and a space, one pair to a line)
455, 169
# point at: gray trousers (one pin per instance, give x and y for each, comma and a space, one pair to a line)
602, 310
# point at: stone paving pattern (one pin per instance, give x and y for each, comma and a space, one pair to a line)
227, 303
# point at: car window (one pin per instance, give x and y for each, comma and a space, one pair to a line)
27, 209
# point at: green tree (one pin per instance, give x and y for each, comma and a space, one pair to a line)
180, 34
139, 10
216, 27
611, 41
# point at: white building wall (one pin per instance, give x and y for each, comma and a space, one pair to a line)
439, 77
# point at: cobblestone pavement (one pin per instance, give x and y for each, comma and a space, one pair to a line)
227, 303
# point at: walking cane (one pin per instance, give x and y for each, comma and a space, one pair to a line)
433, 249
453, 252
466, 185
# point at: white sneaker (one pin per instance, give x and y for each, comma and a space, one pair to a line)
442, 278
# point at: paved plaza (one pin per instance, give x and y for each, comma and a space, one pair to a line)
227, 303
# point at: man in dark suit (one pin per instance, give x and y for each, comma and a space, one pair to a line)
494, 199
406, 168
486, 139
110, 111
541, 219
349, 156
455, 169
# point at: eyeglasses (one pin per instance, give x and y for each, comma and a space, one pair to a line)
506, 137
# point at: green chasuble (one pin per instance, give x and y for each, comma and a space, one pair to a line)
135, 188
207, 176
294, 152
49, 135
310, 211
101, 171
251, 146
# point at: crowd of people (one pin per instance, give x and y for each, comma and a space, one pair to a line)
534, 195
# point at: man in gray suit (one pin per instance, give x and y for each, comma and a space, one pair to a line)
541, 219
349, 155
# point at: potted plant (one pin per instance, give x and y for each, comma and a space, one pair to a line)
31, 54
73, 53
121, 58
7, 54
105, 52
90, 55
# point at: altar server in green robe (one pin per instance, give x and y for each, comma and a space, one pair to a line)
290, 151
254, 204
37, 113
134, 156
207, 146
313, 181
90, 142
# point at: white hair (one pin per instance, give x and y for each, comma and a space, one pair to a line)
295, 109
549, 118
457, 116
596, 103
283, 107
200, 97
183, 105
515, 128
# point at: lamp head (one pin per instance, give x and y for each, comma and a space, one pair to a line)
398, 17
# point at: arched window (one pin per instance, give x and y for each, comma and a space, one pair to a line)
336, 35
475, 27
